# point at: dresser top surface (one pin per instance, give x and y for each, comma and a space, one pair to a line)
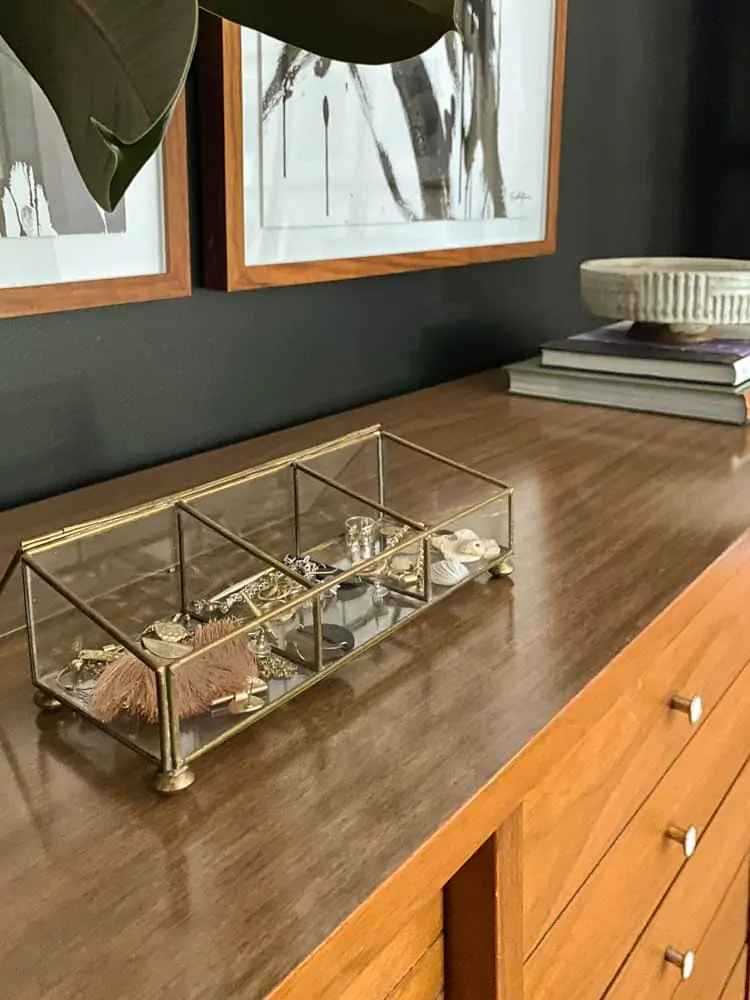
222, 891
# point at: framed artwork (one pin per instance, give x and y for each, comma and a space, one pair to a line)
58, 249
316, 170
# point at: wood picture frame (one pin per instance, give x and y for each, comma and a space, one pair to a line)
225, 267
174, 282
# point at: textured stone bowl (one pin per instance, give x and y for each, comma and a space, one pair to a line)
677, 298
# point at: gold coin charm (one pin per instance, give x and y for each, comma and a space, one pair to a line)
166, 650
169, 631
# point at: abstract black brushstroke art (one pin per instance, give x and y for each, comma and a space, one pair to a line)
433, 125
41, 192
449, 149
336, 170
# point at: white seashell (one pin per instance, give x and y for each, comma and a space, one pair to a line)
491, 549
468, 550
446, 543
472, 550
447, 573
465, 535
465, 546
442, 542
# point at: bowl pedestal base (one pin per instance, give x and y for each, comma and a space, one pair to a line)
665, 333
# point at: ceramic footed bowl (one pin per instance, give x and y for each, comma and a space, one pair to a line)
668, 298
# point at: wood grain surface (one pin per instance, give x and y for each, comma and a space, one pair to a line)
687, 911
423, 982
582, 952
484, 917
736, 987
397, 960
306, 841
594, 791
509, 843
724, 941
472, 954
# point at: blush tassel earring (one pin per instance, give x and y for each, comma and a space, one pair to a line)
127, 684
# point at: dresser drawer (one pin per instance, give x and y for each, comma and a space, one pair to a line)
717, 952
425, 980
737, 985
682, 920
577, 812
583, 950
410, 967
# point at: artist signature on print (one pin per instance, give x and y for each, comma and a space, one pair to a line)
519, 196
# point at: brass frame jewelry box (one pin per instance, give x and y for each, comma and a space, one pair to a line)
175, 625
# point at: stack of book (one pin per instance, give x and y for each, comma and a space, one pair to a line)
605, 367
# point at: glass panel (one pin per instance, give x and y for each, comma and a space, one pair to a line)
336, 529
220, 576
12, 615
73, 655
128, 573
260, 510
426, 489
140, 589
341, 532
284, 658
238, 682
354, 466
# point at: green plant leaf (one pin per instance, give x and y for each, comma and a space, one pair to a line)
356, 31
112, 70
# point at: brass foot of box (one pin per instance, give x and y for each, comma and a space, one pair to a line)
502, 569
47, 702
170, 782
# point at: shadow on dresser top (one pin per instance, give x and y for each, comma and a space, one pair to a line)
223, 891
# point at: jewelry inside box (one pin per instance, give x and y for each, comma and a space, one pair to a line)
234, 677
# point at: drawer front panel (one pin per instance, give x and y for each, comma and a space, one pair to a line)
401, 958
425, 981
577, 812
736, 987
582, 952
683, 918
717, 952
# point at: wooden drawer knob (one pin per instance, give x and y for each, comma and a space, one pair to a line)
688, 838
691, 707
685, 962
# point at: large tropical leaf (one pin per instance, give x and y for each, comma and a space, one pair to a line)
112, 70
355, 31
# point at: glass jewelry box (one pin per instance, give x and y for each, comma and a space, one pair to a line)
176, 625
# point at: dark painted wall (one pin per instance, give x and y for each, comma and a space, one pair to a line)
719, 149
88, 395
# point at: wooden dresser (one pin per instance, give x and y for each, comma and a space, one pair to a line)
623, 872
539, 790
